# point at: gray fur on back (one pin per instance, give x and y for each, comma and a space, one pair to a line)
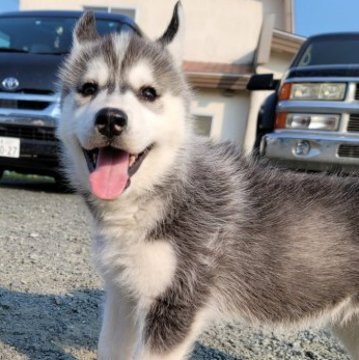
272, 245
275, 245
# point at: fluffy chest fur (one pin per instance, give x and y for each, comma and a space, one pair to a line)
125, 253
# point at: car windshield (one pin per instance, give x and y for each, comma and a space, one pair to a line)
331, 51
45, 35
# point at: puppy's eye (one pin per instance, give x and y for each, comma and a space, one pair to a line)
88, 89
148, 93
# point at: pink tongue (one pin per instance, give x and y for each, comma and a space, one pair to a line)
110, 177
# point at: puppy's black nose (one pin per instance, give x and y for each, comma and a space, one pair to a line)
110, 122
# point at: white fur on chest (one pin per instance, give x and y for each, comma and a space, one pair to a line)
127, 258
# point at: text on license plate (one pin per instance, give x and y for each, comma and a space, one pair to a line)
9, 147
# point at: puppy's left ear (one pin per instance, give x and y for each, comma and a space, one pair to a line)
173, 37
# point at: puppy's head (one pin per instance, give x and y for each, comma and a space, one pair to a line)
124, 108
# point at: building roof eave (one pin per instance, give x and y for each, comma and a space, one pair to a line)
221, 76
286, 42
213, 81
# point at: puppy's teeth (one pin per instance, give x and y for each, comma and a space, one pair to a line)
132, 160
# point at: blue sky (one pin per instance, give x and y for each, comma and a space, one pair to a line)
9, 5
318, 16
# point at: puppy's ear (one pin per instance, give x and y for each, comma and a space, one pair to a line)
173, 37
85, 29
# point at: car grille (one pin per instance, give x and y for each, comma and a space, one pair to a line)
23, 104
26, 99
356, 95
28, 132
353, 124
29, 91
348, 151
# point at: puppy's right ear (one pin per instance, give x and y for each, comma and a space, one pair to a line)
85, 29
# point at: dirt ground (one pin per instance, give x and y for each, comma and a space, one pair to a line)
50, 295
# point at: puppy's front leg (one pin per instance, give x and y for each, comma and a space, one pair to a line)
117, 338
168, 332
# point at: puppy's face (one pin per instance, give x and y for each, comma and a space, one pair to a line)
124, 111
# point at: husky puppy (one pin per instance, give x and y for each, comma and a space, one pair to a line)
186, 230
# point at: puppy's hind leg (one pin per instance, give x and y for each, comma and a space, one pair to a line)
348, 333
179, 352
169, 333
117, 337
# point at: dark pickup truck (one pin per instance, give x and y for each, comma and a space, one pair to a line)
311, 120
32, 46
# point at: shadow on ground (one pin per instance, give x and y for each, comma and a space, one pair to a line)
205, 353
44, 326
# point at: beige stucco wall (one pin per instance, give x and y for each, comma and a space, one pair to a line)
229, 113
278, 62
278, 8
213, 33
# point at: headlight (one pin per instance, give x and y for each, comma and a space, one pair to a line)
328, 122
313, 91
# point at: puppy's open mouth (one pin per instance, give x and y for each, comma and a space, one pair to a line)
111, 169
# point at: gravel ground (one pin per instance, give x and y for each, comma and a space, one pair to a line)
50, 297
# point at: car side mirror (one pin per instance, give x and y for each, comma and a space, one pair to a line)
262, 82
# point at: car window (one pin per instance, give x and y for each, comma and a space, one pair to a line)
307, 57
330, 52
45, 35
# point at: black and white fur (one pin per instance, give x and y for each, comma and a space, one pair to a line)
201, 233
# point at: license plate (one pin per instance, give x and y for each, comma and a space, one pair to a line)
9, 147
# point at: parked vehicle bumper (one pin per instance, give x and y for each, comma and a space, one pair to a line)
318, 152
39, 148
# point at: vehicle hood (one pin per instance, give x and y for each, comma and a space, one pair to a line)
324, 71
33, 71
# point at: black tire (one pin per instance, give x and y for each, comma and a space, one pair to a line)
265, 120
